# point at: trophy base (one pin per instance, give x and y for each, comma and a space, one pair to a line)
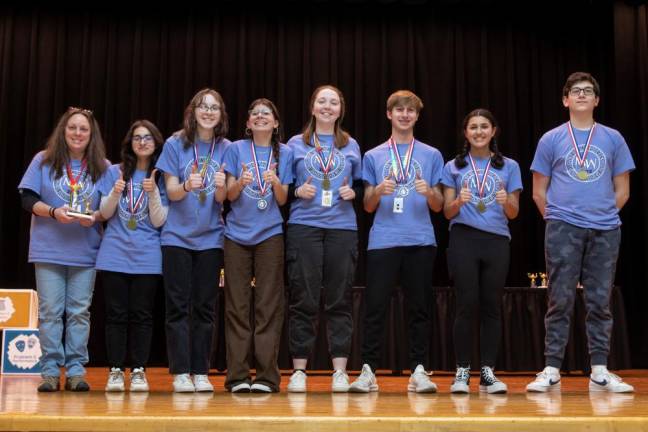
78, 215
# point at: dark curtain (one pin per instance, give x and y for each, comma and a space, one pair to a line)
134, 63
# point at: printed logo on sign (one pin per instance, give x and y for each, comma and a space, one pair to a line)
141, 212
6, 309
62, 189
314, 168
24, 351
212, 168
493, 184
593, 166
403, 189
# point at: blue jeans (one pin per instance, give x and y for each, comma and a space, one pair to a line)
64, 289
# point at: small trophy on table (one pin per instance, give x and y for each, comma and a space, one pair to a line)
78, 207
543, 280
532, 278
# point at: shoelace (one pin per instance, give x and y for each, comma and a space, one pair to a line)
462, 374
137, 376
489, 376
115, 375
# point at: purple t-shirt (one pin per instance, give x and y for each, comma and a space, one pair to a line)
125, 250
587, 202
254, 217
413, 225
345, 163
51, 241
191, 224
493, 220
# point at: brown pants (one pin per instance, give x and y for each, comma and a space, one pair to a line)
256, 331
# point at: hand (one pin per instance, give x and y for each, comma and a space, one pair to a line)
148, 184
120, 184
61, 215
245, 178
307, 190
219, 177
270, 175
465, 195
501, 196
387, 186
88, 222
195, 180
421, 185
346, 193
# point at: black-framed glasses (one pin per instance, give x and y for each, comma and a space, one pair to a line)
576, 91
143, 138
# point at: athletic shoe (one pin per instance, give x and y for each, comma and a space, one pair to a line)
461, 382
419, 382
602, 380
489, 383
138, 382
547, 380
202, 384
366, 381
340, 382
297, 382
115, 380
182, 383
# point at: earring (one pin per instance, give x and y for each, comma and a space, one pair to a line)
248, 132
276, 131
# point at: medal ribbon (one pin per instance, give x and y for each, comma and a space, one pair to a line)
326, 167
206, 162
133, 207
400, 171
482, 183
75, 181
579, 158
263, 186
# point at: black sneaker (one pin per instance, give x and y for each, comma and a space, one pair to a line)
489, 383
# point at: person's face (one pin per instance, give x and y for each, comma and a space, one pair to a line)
261, 119
208, 112
327, 106
77, 133
581, 97
403, 118
479, 132
143, 142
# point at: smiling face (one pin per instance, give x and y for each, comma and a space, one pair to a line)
261, 119
143, 142
581, 98
327, 107
208, 112
403, 118
77, 134
479, 132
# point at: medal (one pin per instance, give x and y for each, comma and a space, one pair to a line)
326, 183
582, 173
400, 167
325, 167
262, 204
202, 196
481, 205
132, 223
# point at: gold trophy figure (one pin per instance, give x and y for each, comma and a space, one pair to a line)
532, 278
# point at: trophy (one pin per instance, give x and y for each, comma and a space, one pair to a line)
532, 278
543, 280
78, 207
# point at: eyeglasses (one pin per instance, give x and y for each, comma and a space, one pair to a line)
143, 138
208, 108
260, 112
576, 91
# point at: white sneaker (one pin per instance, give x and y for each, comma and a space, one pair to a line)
138, 382
115, 380
182, 383
260, 388
340, 382
366, 381
419, 381
202, 384
602, 380
547, 380
241, 387
488, 382
297, 382
461, 382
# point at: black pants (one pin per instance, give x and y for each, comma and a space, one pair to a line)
129, 316
478, 263
320, 258
413, 267
191, 286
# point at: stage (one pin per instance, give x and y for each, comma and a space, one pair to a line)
575, 409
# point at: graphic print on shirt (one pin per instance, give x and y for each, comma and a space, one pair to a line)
62, 187
492, 184
313, 163
593, 166
139, 200
252, 190
403, 188
208, 181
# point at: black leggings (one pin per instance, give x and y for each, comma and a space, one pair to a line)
478, 262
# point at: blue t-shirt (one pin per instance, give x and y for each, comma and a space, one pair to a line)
588, 202
51, 241
253, 217
191, 224
493, 220
125, 250
346, 162
413, 226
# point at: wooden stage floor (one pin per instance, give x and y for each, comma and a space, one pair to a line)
575, 409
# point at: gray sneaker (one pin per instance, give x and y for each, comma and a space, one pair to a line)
49, 384
76, 384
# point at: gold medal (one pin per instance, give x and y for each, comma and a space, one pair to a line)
481, 207
202, 197
132, 223
582, 174
326, 183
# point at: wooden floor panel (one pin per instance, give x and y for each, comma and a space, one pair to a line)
574, 409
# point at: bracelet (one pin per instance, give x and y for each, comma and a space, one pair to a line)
51, 212
295, 193
183, 186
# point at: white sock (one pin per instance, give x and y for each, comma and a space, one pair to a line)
599, 369
552, 370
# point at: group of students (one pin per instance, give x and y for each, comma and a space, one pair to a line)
163, 207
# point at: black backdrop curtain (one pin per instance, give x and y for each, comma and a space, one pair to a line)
457, 55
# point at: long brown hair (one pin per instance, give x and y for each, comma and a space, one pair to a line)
128, 157
497, 160
190, 124
56, 149
340, 137
276, 134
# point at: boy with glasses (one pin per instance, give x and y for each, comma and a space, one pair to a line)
581, 180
